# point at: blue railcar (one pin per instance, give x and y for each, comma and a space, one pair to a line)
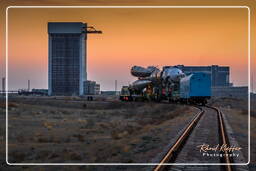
195, 88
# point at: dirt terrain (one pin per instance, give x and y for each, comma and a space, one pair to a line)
72, 130
236, 111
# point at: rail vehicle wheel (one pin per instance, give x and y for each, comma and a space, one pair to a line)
170, 100
157, 98
204, 102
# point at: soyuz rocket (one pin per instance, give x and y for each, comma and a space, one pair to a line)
152, 75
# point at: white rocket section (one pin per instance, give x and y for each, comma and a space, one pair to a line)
151, 74
172, 74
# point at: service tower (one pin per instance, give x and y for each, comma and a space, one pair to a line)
67, 57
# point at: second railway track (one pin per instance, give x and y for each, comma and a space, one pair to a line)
206, 128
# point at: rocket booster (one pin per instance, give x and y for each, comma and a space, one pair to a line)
151, 75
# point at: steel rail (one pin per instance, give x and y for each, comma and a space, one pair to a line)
224, 137
170, 155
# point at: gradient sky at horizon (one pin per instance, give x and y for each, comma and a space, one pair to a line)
131, 37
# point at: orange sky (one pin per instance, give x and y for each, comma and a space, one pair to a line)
131, 37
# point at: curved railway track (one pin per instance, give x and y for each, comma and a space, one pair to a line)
180, 143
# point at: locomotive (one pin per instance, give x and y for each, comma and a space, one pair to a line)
170, 84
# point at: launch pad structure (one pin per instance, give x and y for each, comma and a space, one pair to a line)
67, 58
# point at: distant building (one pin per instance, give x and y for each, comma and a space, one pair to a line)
67, 60
230, 91
36, 92
219, 74
40, 91
91, 88
97, 89
110, 93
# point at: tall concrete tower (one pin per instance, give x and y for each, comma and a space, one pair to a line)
67, 57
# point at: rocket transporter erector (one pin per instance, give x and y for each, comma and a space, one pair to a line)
152, 75
170, 84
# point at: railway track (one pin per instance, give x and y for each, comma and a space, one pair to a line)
174, 154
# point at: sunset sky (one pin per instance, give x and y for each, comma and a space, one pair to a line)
130, 37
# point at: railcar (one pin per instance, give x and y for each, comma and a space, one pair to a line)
195, 88
169, 84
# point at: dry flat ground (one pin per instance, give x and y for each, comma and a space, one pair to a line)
236, 112
62, 129
72, 130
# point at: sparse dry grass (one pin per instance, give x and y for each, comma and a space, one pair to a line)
2, 105
10, 105
48, 125
69, 129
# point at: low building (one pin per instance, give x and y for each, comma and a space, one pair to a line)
223, 91
91, 88
110, 93
40, 91
219, 74
97, 89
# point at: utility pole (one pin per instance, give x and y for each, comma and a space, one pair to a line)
116, 87
28, 85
